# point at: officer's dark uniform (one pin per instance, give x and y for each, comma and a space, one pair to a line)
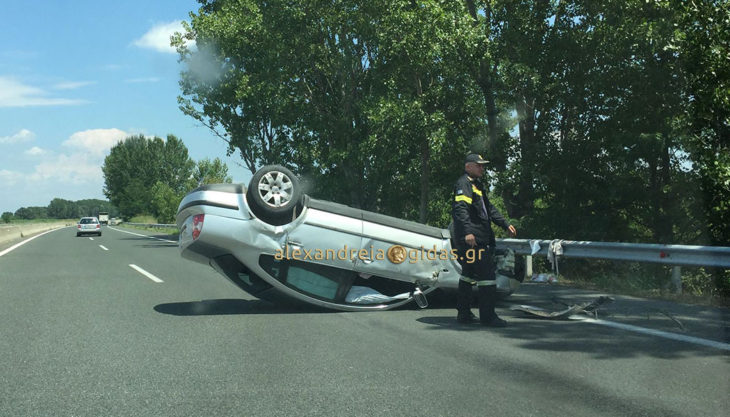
472, 213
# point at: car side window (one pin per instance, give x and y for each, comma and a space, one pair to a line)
320, 281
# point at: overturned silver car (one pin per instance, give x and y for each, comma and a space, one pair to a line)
280, 245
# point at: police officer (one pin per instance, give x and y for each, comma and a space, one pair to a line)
473, 214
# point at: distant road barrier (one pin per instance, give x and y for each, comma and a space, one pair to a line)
672, 255
13, 231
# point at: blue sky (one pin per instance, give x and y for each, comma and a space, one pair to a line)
78, 76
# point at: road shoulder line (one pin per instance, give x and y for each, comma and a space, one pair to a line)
659, 333
145, 273
19, 244
137, 234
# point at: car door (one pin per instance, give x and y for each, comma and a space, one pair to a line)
325, 238
401, 250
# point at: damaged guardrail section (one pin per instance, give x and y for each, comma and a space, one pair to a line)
675, 255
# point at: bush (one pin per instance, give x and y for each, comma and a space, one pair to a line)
143, 218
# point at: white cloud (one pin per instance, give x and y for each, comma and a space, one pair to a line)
16, 94
79, 167
24, 135
96, 141
76, 169
10, 177
72, 85
158, 37
35, 151
142, 80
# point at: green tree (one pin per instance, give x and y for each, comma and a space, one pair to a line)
210, 172
702, 42
164, 202
136, 164
588, 111
30, 213
92, 207
7, 217
59, 208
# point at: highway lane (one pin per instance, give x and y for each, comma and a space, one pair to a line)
84, 334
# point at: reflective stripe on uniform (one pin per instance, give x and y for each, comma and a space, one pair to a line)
468, 280
463, 198
476, 190
482, 283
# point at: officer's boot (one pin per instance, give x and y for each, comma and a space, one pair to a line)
463, 303
487, 301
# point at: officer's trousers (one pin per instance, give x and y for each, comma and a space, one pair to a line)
478, 269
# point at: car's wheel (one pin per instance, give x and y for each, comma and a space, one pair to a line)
99, 233
274, 195
78, 234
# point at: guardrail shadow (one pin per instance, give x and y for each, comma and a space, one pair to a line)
153, 241
596, 341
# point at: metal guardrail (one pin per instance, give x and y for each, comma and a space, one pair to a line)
152, 225
674, 255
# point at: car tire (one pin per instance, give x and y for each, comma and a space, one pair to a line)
99, 233
274, 195
78, 234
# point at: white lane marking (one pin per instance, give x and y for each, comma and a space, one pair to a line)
17, 245
145, 273
659, 333
103, 247
137, 234
91, 238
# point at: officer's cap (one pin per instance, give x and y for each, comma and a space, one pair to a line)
475, 158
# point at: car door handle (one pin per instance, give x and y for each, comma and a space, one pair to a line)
294, 243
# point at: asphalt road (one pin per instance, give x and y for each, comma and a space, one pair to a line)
85, 334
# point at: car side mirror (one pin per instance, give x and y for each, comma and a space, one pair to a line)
420, 298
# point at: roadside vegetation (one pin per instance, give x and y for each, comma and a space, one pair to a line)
636, 279
149, 176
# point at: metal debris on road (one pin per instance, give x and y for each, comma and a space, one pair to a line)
590, 308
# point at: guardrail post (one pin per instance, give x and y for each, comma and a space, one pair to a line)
677, 279
528, 267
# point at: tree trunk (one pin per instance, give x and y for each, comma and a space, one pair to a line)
485, 84
524, 201
662, 204
425, 169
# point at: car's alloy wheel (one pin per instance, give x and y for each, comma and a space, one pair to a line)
274, 194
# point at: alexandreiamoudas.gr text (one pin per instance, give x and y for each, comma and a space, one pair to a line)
396, 254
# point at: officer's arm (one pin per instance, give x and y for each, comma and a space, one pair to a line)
497, 217
463, 197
